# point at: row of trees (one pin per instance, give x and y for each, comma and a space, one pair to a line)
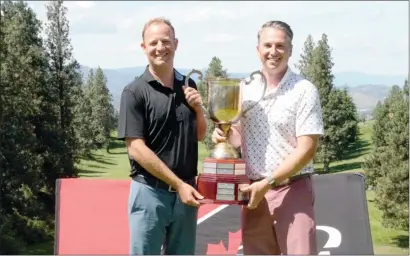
387, 166
48, 119
97, 116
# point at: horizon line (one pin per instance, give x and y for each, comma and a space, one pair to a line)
350, 71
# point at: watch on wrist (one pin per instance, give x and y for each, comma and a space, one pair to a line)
271, 181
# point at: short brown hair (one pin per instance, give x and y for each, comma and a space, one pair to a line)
157, 20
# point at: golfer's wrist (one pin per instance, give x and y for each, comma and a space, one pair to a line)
198, 110
265, 183
178, 184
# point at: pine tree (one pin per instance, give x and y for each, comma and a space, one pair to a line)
316, 65
379, 126
66, 80
339, 111
26, 117
379, 139
88, 86
387, 167
83, 118
306, 58
102, 110
215, 69
342, 124
321, 68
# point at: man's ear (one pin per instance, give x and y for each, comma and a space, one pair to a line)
176, 43
142, 45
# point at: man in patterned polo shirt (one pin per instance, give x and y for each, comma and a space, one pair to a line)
278, 139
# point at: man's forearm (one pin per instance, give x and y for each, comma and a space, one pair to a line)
291, 165
150, 162
201, 124
296, 161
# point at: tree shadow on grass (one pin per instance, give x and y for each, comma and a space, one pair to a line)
118, 153
98, 158
116, 144
342, 167
96, 166
401, 241
357, 149
113, 145
90, 173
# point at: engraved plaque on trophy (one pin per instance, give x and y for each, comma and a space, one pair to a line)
223, 172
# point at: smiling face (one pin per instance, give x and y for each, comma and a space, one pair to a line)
159, 44
274, 49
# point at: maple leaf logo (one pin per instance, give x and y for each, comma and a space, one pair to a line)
234, 241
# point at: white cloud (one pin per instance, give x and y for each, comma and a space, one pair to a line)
219, 38
370, 37
85, 4
125, 24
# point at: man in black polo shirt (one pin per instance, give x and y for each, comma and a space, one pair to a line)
161, 122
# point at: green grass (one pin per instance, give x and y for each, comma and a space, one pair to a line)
114, 165
107, 164
355, 156
385, 240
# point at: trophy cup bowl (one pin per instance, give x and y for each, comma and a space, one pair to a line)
223, 171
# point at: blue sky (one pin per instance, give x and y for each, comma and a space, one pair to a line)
369, 37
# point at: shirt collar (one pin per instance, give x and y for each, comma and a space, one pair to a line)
282, 82
285, 77
147, 75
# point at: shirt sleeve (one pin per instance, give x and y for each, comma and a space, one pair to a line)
131, 120
309, 113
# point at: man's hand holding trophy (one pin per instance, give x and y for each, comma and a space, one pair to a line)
223, 172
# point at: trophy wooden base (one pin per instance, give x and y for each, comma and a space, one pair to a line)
220, 181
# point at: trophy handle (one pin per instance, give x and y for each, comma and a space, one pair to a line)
195, 71
265, 85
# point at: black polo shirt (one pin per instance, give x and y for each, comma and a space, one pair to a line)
163, 118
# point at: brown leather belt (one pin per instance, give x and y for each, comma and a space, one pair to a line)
289, 180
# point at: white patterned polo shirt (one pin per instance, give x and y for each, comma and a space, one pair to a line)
270, 129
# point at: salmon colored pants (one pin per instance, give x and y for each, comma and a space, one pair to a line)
283, 223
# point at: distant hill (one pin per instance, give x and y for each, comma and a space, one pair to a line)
353, 79
366, 96
366, 89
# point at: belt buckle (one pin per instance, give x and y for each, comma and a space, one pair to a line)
171, 189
